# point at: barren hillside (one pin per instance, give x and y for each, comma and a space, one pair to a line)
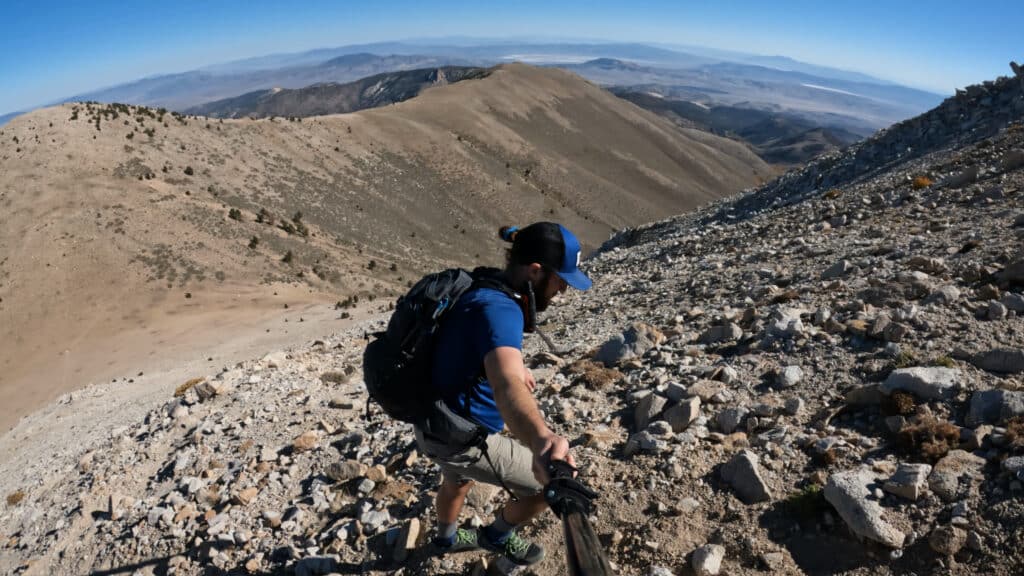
132, 234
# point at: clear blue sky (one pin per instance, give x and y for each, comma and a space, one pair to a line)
50, 50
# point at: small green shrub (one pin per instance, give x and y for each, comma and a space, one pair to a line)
235, 214
808, 503
906, 359
264, 217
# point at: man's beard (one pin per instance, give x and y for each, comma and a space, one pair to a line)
540, 299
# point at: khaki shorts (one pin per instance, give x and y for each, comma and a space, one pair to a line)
513, 464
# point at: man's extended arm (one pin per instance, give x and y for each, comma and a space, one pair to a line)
505, 372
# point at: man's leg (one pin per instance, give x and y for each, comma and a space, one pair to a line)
526, 509
450, 497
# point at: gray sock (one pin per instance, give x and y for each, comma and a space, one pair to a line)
499, 530
446, 532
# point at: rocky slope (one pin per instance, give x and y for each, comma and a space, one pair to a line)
128, 230
830, 385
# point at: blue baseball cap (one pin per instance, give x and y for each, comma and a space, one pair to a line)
570, 268
550, 244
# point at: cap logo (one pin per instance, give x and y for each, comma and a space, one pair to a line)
577, 258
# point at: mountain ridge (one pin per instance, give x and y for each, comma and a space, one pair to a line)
334, 98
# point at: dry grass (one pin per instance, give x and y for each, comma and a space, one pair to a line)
899, 403
181, 390
15, 498
1015, 433
826, 458
928, 438
833, 194
920, 182
593, 375
334, 377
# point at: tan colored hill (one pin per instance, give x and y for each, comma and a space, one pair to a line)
119, 248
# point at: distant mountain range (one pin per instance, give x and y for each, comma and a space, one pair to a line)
182, 91
781, 139
865, 106
334, 98
837, 100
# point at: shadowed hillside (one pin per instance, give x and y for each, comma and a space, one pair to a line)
135, 230
778, 138
333, 98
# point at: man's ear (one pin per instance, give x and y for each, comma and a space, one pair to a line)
535, 273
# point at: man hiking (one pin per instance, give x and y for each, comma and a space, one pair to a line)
479, 371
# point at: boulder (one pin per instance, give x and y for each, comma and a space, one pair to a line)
707, 560
648, 409
943, 295
633, 343
850, 493
306, 441
721, 333
789, 376
274, 359
704, 389
840, 268
344, 471
1014, 272
730, 419
909, 481
996, 311
947, 540
1013, 301
406, 541
317, 565
786, 324
953, 475
643, 441
744, 475
683, 414
994, 406
208, 389
930, 383
1000, 360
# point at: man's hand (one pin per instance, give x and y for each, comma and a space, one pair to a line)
528, 378
548, 448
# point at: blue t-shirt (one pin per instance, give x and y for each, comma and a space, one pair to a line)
483, 319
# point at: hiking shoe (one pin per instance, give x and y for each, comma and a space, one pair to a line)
464, 539
518, 550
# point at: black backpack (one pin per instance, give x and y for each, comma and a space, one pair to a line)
398, 363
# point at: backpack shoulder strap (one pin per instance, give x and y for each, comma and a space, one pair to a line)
485, 277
